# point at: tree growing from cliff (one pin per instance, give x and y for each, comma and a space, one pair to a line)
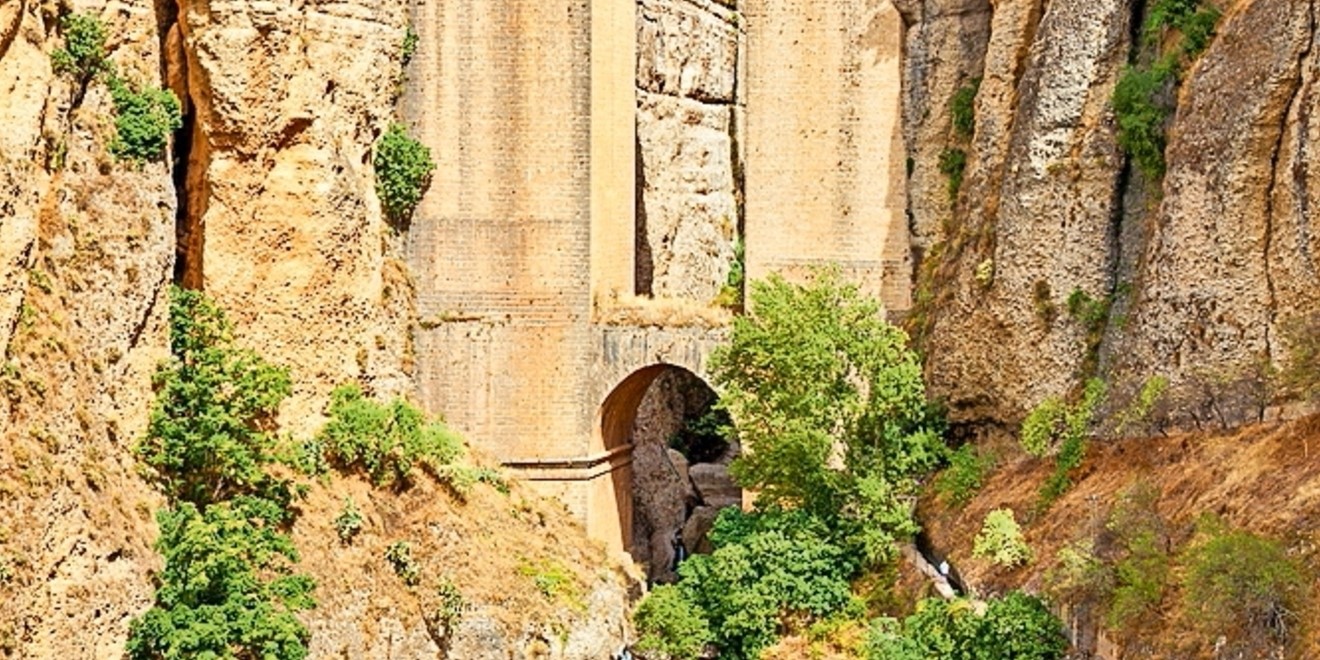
403, 170
227, 589
829, 400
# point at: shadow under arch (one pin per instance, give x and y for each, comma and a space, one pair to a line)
616, 426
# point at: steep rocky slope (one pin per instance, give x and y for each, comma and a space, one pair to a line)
1058, 259
266, 200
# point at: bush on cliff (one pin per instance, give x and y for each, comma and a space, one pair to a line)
227, 589
403, 170
1017, 626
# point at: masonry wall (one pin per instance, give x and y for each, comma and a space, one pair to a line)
825, 165
500, 246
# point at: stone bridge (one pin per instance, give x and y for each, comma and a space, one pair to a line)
599, 164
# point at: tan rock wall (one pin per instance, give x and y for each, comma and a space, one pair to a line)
86, 251
1038, 225
689, 180
286, 228
1231, 262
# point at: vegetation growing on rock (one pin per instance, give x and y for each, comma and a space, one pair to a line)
403, 170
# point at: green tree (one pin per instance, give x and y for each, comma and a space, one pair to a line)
83, 53
210, 437
829, 400
670, 626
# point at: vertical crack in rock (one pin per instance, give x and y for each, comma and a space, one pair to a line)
1291, 109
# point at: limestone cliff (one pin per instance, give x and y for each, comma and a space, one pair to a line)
86, 250
1058, 260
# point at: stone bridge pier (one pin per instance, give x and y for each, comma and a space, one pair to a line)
570, 191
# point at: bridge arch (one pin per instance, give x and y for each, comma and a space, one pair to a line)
669, 475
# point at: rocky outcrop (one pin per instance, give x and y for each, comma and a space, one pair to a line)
688, 112
1060, 261
283, 224
86, 250
1036, 223
1230, 262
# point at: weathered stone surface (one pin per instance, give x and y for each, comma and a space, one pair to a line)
688, 185
688, 215
1231, 260
284, 226
86, 249
697, 527
1040, 230
715, 486
945, 48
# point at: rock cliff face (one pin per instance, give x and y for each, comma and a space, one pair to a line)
283, 225
689, 109
86, 248
1059, 261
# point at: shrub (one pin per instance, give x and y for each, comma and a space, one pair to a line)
227, 589
450, 604
83, 54
766, 567
670, 626
144, 121
399, 556
1142, 571
1000, 540
552, 579
1142, 405
386, 440
965, 475
963, 108
1041, 427
814, 373
209, 436
349, 521
1239, 582
1078, 575
214, 598
953, 162
1016, 626
403, 170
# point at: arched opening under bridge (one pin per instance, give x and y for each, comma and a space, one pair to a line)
677, 480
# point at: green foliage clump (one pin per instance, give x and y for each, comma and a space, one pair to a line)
1016, 626
210, 435
1054, 421
213, 600
399, 556
1141, 113
386, 440
1142, 101
963, 108
703, 439
1079, 575
83, 54
670, 626
1000, 540
552, 579
966, 474
409, 46
766, 565
731, 294
953, 162
1242, 583
403, 170
1040, 429
227, 589
349, 522
450, 604
144, 121
832, 398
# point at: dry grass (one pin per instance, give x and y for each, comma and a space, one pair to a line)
1264, 479
629, 310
